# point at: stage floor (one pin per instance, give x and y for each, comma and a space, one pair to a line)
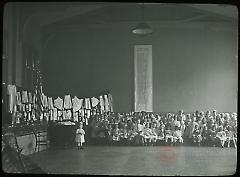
157, 160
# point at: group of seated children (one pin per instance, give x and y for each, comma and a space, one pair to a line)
145, 128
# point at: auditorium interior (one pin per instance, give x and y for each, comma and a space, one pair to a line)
119, 88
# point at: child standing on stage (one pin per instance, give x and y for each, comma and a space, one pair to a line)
80, 136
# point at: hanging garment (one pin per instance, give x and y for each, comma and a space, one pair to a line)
81, 112
42, 99
95, 101
68, 114
50, 103
64, 114
24, 96
106, 103
55, 114
34, 115
18, 98
30, 97
45, 101
87, 103
30, 107
67, 102
101, 104
50, 112
58, 103
77, 103
75, 116
110, 102
87, 113
41, 116
12, 92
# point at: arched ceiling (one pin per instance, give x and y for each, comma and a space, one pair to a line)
52, 16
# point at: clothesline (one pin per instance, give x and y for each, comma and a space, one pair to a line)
24, 103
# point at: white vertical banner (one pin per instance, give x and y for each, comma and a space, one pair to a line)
143, 78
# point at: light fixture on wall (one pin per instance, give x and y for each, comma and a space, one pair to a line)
142, 29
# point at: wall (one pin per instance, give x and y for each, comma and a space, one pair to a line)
193, 67
23, 35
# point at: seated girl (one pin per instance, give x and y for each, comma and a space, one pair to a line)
168, 133
205, 135
212, 134
147, 134
116, 134
161, 131
123, 135
197, 137
221, 136
177, 135
230, 136
154, 133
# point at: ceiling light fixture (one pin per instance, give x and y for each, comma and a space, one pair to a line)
142, 29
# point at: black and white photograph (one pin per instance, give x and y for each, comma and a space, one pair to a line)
119, 88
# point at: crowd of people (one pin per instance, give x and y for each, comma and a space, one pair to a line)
200, 128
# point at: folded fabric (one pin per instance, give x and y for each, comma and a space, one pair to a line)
58, 103
77, 103
95, 101
67, 102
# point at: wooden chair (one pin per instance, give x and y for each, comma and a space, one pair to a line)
41, 140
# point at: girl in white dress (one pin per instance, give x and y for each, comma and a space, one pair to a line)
80, 136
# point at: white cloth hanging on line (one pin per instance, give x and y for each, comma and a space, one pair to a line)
110, 99
55, 114
45, 101
50, 103
95, 101
24, 97
77, 103
67, 102
106, 103
81, 112
12, 92
58, 103
87, 103
30, 97
68, 114
75, 116
101, 104
18, 98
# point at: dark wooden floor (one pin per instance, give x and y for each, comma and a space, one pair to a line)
158, 160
